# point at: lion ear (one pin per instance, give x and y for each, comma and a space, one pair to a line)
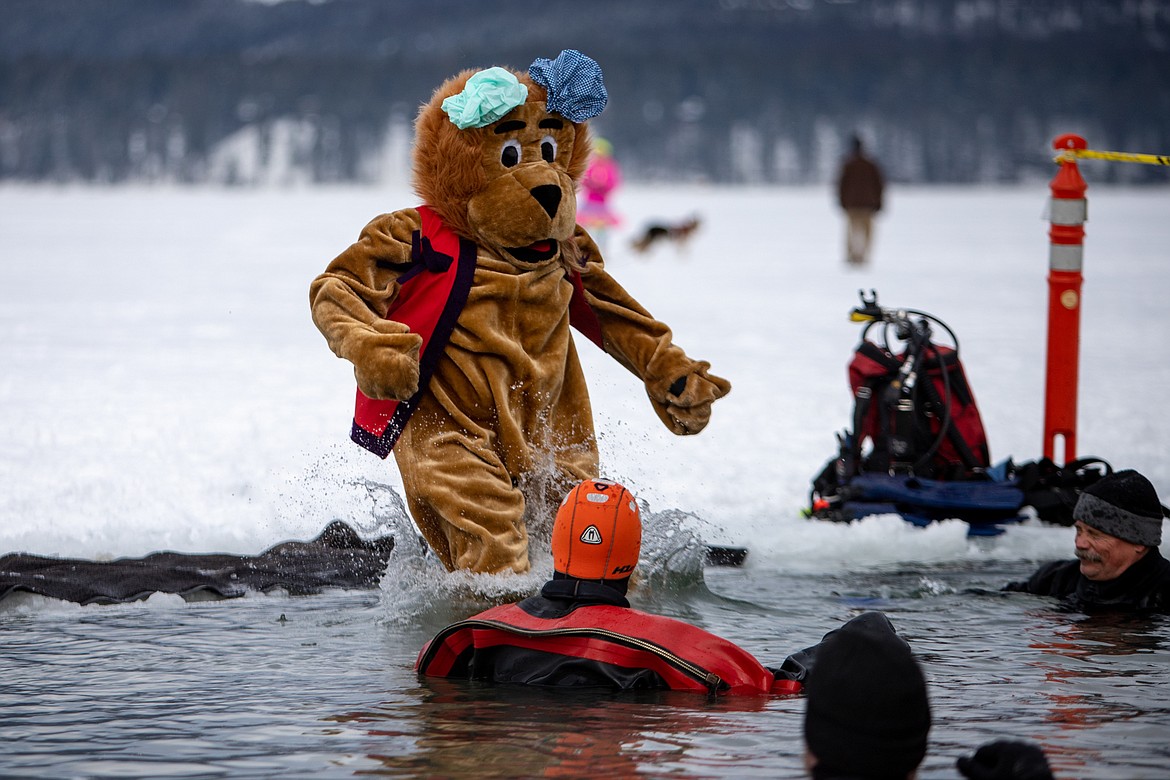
447, 170
582, 148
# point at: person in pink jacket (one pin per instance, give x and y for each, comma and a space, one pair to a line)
601, 178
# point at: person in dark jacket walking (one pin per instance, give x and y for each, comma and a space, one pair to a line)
1118, 565
859, 192
581, 630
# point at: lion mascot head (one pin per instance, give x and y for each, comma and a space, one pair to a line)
498, 155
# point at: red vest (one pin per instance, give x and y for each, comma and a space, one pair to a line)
684, 656
430, 297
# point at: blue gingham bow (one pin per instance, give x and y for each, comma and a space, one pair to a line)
573, 81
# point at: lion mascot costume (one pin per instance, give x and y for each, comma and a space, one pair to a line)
456, 316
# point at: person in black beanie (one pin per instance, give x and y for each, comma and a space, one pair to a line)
1118, 565
868, 713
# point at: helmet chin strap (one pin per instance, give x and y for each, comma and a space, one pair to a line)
622, 586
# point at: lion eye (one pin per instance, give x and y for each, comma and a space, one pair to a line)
548, 148
510, 154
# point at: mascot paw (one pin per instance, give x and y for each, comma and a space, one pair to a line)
687, 408
388, 371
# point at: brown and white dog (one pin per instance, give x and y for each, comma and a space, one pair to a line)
678, 233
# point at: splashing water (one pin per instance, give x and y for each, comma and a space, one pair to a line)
171, 410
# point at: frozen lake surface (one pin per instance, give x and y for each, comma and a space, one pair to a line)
163, 388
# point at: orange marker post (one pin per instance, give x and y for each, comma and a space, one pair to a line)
1067, 214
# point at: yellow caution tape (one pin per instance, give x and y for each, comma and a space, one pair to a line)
1069, 155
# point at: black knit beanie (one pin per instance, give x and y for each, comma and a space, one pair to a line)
868, 714
1122, 504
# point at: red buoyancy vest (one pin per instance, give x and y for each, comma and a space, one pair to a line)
429, 300
963, 449
684, 656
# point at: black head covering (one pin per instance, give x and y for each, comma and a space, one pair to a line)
868, 714
1122, 504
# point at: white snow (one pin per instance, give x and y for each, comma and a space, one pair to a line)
163, 387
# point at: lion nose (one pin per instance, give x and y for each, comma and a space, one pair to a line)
548, 196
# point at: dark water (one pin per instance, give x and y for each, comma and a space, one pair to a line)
232, 689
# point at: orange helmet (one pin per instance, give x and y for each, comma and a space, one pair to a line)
598, 532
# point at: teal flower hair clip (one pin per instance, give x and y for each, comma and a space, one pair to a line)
575, 87
487, 96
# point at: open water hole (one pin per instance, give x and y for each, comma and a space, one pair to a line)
271, 685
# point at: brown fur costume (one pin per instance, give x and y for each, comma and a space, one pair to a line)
505, 427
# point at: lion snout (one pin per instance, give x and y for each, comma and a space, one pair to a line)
549, 198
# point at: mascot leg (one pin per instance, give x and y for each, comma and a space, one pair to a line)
463, 500
471, 505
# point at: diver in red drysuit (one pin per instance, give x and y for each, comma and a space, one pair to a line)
581, 631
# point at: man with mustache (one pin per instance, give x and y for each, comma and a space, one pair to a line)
1118, 564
